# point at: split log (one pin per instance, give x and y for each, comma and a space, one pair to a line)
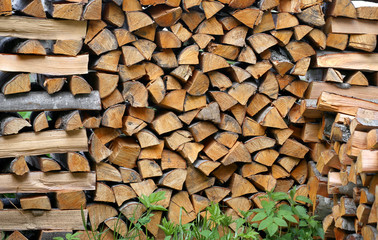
35, 202
44, 164
51, 84
35, 182
351, 61
12, 124
6, 8
69, 121
30, 47
49, 29
347, 105
51, 65
55, 219
74, 162
316, 88
54, 141
17, 166
67, 200
18, 83
350, 26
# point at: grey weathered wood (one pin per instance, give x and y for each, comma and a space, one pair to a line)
42, 101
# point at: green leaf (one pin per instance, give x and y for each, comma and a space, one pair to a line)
290, 218
144, 201
280, 222
285, 207
279, 196
259, 217
257, 210
272, 229
156, 196
302, 212
320, 232
158, 208
239, 222
25, 115
268, 206
206, 233
281, 213
303, 199
265, 223
302, 223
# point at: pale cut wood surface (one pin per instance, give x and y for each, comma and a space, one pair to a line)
316, 88
351, 61
46, 29
42, 101
40, 182
352, 26
50, 65
54, 219
53, 141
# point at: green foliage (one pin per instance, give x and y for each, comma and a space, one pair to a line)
213, 226
69, 236
8, 195
25, 115
283, 216
287, 221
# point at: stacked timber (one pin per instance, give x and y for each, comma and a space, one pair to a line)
208, 101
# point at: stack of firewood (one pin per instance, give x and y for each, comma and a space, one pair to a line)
205, 100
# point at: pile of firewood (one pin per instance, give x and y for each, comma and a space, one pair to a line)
205, 100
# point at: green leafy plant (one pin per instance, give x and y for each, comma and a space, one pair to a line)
69, 236
213, 225
283, 216
288, 220
25, 115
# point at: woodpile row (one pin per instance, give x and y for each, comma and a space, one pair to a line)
205, 100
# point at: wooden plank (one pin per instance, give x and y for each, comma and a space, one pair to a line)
46, 29
316, 88
351, 26
42, 101
41, 182
330, 102
49, 65
55, 219
350, 61
53, 141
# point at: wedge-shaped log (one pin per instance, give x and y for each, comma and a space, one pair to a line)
66, 200
181, 199
47, 182
41, 101
53, 141
47, 29
52, 65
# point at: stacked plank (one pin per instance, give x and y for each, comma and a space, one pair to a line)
204, 100
45, 171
